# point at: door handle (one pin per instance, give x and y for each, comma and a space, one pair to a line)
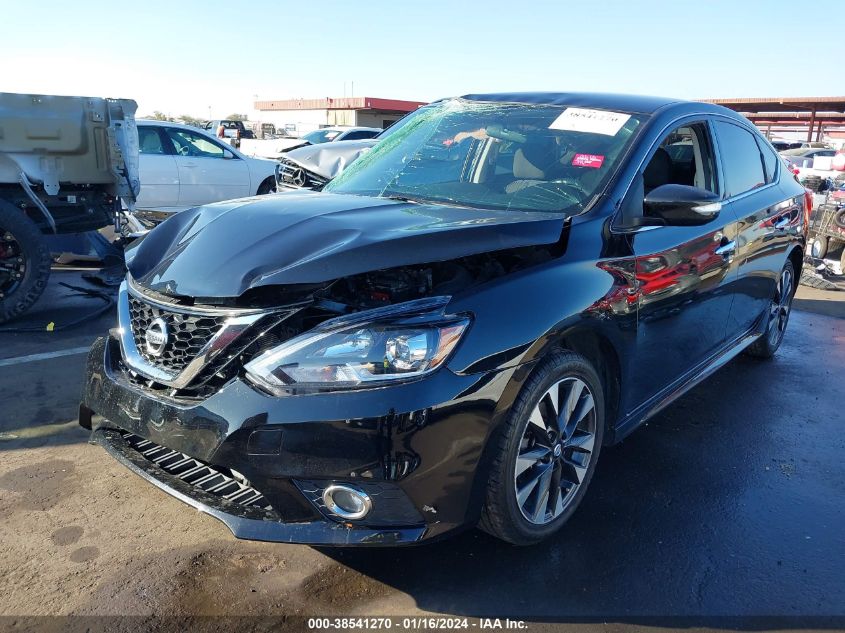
781, 224
189, 164
727, 249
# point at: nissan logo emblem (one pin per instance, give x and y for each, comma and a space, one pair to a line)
156, 337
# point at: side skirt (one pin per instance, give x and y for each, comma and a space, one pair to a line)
698, 374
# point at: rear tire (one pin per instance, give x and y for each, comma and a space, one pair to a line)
546, 452
24, 262
779, 311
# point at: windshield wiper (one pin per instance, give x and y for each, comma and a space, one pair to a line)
402, 198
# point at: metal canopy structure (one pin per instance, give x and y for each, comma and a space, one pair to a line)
814, 114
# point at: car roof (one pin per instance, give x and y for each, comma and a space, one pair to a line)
602, 101
346, 128
167, 123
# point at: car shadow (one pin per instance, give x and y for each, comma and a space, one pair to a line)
674, 532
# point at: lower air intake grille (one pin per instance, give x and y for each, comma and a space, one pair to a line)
199, 474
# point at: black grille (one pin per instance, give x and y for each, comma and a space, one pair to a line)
199, 474
188, 333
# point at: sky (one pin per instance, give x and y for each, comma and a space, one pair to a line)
209, 59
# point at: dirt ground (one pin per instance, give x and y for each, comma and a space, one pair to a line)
84, 537
730, 503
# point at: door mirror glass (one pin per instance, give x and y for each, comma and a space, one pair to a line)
682, 205
227, 154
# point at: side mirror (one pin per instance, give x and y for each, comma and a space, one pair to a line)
228, 155
682, 205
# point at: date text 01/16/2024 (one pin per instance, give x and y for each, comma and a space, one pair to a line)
420, 623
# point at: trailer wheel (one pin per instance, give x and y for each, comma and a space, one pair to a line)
819, 246
24, 262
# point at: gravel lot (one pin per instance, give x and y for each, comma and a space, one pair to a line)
730, 503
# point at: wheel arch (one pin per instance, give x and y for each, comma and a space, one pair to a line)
601, 353
269, 179
796, 256
597, 348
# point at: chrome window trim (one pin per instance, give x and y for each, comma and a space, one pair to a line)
689, 118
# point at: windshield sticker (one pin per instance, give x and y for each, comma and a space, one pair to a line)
591, 121
588, 160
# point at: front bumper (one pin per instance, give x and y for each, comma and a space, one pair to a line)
416, 449
249, 522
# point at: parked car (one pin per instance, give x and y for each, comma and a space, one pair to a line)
784, 145
332, 134
312, 166
452, 329
66, 164
182, 167
231, 128
804, 155
815, 144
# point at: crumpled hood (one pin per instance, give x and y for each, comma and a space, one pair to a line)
224, 249
329, 159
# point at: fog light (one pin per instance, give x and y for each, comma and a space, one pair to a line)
346, 502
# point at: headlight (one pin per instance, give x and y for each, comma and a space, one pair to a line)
363, 354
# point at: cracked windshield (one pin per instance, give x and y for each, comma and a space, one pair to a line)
504, 156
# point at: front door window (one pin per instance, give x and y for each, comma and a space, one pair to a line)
195, 145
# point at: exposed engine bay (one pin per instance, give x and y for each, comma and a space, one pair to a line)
395, 285
305, 307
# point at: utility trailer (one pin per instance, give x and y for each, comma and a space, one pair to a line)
67, 165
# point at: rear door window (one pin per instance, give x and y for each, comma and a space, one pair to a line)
742, 162
149, 141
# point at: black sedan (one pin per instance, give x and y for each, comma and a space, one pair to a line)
451, 330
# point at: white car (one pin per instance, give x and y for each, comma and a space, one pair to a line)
332, 134
182, 167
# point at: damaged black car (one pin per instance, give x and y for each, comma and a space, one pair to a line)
448, 333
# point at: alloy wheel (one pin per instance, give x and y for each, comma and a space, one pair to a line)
780, 306
555, 451
12, 263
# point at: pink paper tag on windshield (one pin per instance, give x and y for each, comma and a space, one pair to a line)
587, 160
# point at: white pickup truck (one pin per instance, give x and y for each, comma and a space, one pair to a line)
66, 163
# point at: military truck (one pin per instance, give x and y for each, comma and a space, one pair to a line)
67, 165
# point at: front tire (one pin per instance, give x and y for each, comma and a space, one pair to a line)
24, 262
547, 451
779, 311
267, 186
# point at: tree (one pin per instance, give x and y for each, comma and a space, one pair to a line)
187, 119
160, 116
237, 117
